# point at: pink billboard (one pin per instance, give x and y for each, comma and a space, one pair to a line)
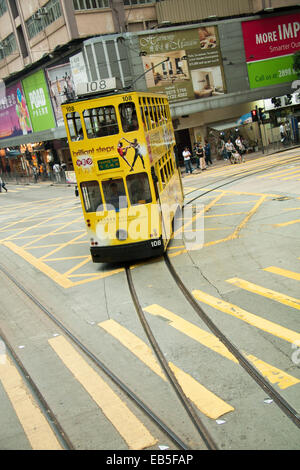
271, 37
14, 116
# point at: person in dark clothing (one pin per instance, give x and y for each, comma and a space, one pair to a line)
2, 185
207, 153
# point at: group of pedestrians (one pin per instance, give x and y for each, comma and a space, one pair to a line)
229, 148
202, 155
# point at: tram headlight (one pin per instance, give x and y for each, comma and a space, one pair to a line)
121, 235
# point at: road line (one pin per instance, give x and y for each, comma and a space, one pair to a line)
273, 374
132, 430
270, 294
206, 401
54, 275
254, 320
38, 431
283, 272
285, 224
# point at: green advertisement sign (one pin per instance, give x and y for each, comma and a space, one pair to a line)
271, 71
38, 102
186, 65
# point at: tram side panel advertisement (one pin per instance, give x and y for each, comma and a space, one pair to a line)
270, 45
14, 114
39, 103
184, 65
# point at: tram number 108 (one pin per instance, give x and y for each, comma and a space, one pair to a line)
96, 86
155, 243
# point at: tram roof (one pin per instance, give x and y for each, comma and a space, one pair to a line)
106, 94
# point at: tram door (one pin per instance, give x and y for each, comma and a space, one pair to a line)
182, 140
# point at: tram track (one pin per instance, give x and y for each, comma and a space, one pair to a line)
208, 440
181, 445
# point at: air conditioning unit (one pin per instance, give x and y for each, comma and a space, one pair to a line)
42, 11
36, 16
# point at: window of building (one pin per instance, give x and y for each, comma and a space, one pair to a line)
8, 46
90, 4
100, 122
3, 7
128, 117
91, 195
114, 193
41, 19
75, 126
139, 189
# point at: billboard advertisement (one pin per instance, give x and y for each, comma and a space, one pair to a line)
38, 101
61, 88
14, 115
185, 64
270, 44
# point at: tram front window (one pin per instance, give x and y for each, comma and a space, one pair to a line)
74, 125
128, 117
100, 122
91, 195
139, 189
114, 194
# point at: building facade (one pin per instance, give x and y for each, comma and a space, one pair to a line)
215, 60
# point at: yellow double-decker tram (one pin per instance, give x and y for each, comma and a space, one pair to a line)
122, 148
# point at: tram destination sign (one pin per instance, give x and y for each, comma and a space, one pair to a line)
108, 164
97, 86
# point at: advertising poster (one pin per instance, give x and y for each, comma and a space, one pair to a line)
270, 44
78, 69
61, 88
193, 69
14, 115
38, 102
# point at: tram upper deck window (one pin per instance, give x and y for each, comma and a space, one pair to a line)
114, 194
128, 117
91, 195
139, 188
100, 122
75, 126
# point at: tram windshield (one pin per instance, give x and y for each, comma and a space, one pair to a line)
114, 193
139, 188
91, 195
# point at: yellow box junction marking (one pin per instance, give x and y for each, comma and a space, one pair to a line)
283, 272
37, 429
271, 373
134, 433
254, 320
206, 401
268, 293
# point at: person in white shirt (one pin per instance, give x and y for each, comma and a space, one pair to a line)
229, 148
187, 160
56, 169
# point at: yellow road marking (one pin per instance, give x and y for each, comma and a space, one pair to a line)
285, 224
273, 374
38, 431
225, 215
57, 277
254, 320
134, 433
283, 272
207, 402
270, 294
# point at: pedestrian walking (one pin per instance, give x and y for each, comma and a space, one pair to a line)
200, 156
229, 148
2, 185
56, 169
240, 147
187, 160
35, 173
207, 153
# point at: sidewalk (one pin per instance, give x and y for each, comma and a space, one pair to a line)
248, 157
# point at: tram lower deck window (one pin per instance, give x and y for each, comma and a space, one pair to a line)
91, 195
114, 194
139, 189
